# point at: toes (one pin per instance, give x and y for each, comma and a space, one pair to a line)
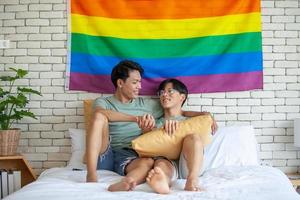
131, 187
157, 170
151, 173
193, 188
149, 176
198, 189
131, 182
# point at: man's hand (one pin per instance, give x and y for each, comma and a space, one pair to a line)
146, 122
170, 127
214, 126
91, 178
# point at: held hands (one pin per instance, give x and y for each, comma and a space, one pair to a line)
214, 126
146, 122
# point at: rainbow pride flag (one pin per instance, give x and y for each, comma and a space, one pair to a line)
212, 46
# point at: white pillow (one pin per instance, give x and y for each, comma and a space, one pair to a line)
78, 148
232, 146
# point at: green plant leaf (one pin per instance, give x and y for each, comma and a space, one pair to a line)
28, 90
20, 101
13, 69
4, 122
15, 116
9, 100
3, 93
20, 72
12, 104
8, 78
24, 113
2, 106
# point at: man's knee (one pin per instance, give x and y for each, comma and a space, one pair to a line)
193, 139
163, 161
192, 142
147, 162
99, 127
140, 163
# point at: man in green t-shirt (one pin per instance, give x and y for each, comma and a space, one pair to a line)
115, 124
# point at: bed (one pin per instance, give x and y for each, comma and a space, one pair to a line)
231, 170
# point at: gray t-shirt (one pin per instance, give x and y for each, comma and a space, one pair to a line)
161, 121
122, 133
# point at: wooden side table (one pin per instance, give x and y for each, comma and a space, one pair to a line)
20, 163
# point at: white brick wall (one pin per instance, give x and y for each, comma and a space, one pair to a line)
37, 31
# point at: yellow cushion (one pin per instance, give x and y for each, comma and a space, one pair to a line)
88, 113
158, 143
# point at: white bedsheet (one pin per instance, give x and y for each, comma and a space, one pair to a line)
227, 183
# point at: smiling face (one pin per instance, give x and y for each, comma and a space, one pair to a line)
171, 98
130, 88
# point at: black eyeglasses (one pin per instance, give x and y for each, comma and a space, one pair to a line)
168, 92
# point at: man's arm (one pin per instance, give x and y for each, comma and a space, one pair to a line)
194, 113
114, 116
145, 122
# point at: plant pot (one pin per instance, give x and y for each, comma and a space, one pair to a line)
9, 141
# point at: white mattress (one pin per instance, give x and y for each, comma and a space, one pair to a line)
234, 183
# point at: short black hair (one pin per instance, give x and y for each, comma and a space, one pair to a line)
122, 69
177, 85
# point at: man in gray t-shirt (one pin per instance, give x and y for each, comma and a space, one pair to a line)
173, 93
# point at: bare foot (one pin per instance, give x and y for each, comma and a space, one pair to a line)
126, 184
158, 181
192, 185
91, 178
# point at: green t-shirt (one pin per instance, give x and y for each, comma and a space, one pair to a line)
122, 133
161, 121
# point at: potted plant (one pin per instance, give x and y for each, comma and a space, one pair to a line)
12, 108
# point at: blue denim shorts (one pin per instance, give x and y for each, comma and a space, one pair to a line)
116, 160
122, 157
106, 160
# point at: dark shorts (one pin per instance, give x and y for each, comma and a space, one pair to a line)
116, 160
106, 160
122, 157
